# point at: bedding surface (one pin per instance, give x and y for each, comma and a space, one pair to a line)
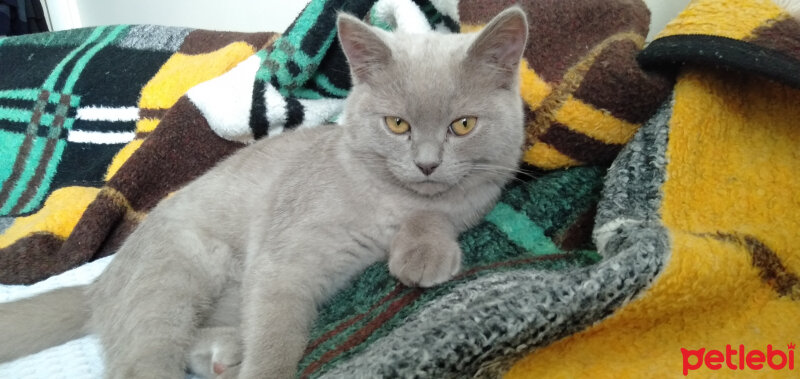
693, 236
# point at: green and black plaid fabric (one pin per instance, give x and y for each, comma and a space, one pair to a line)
50, 83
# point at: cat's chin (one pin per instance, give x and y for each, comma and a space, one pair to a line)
428, 188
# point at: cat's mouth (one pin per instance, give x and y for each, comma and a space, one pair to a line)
428, 187
423, 185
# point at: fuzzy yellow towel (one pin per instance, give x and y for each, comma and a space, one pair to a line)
711, 185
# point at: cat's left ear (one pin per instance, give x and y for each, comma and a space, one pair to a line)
499, 46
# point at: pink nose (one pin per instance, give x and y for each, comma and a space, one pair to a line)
219, 368
427, 168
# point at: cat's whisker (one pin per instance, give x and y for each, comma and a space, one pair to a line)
516, 171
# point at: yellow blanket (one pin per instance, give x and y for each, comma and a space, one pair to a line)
715, 179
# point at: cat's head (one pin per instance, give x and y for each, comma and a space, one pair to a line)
434, 111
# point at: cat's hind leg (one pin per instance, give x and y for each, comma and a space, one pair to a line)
154, 294
281, 290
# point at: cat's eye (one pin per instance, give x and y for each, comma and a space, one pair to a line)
463, 126
396, 124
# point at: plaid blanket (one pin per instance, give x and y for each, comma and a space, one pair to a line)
99, 124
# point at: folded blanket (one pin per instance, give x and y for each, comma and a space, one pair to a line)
96, 139
708, 189
74, 106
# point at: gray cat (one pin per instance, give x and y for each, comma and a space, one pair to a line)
225, 277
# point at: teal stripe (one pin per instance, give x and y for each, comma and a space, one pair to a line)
555, 200
25, 115
81, 64
50, 172
264, 74
20, 94
50, 82
279, 56
15, 115
68, 122
306, 20
10, 143
521, 230
47, 119
54, 98
262, 54
302, 59
591, 255
30, 168
324, 83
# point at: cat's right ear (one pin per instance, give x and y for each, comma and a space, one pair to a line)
366, 51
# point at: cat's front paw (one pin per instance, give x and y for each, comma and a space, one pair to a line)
425, 263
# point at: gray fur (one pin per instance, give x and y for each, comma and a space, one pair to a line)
61, 316
256, 244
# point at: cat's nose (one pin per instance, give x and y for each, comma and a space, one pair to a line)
427, 168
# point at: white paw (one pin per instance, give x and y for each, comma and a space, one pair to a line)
425, 263
217, 353
228, 372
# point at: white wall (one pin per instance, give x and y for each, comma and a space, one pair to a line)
661, 12
61, 14
236, 15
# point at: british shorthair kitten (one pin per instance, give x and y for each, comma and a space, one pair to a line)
225, 277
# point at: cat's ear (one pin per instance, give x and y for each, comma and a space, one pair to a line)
499, 45
366, 51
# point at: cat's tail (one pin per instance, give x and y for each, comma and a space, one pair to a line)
33, 324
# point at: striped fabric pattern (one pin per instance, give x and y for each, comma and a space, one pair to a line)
74, 107
41, 124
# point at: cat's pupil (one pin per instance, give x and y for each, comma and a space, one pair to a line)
464, 122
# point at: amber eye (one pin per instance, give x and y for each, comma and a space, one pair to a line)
463, 126
396, 124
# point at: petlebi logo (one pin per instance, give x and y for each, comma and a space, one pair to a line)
739, 358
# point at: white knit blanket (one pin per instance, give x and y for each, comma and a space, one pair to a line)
77, 359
